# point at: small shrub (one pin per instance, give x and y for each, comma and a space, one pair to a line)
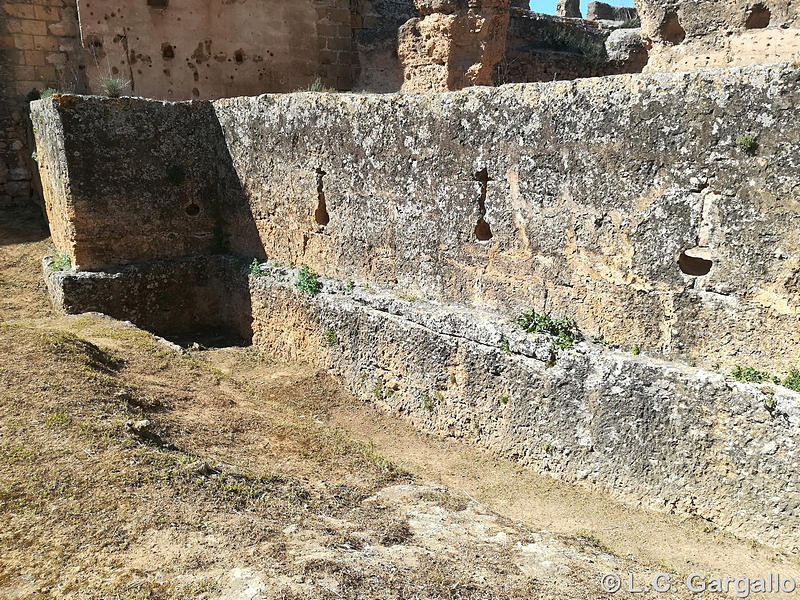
35, 157
429, 403
751, 375
255, 269
61, 262
308, 282
635, 350
504, 399
564, 329
330, 336
350, 285
747, 142
792, 380
113, 86
770, 403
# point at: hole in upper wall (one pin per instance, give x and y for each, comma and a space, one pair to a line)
238, 56
167, 51
694, 265
671, 29
321, 214
193, 210
483, 232
157, 3
758, 17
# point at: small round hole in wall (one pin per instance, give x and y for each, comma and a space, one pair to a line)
483, 232
192, 210
694, 266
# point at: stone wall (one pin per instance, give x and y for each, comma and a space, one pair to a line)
684, 244
659, 212
687, 35
657, 435
181, 49
38, 43
546, 48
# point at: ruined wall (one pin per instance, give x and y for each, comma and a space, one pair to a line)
453, 44
547, 48
184, 49
660, 212
687, 35
660, 436
38, 43
496, 197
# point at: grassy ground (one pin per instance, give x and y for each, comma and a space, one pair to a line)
130, 470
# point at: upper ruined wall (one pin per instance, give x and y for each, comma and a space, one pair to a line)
692, 34
181, 49
655, 210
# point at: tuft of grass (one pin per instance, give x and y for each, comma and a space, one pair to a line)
114, 86
58, 418
330, 336
504, 346
308, 282
635, 350
563, 329
428, 403
747, 142
634, 23
61, 262
35, 156
504, 399
318, 87
792, 380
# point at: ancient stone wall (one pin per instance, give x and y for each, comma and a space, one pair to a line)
687, 35
38, 50
546, 48
656, 211
181, 49
683, 244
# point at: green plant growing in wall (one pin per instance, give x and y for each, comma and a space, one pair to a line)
635, 350
751, 375
61, 262
748, 143
792, 380
318, 87
428, 403
504, 346
114, 86
308, 282
46, 93
255, 269
35, 156
330, 337
563, 329
504, 399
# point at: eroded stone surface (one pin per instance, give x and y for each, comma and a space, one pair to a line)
670, 438
493, 198
454, 44
706, 33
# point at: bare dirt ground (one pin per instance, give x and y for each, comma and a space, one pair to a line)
129, 470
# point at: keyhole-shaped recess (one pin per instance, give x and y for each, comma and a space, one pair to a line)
482, 230
321, 214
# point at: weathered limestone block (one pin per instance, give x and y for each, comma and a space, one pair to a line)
600, 11
673, 439
687, 35
569, 8
453, 45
